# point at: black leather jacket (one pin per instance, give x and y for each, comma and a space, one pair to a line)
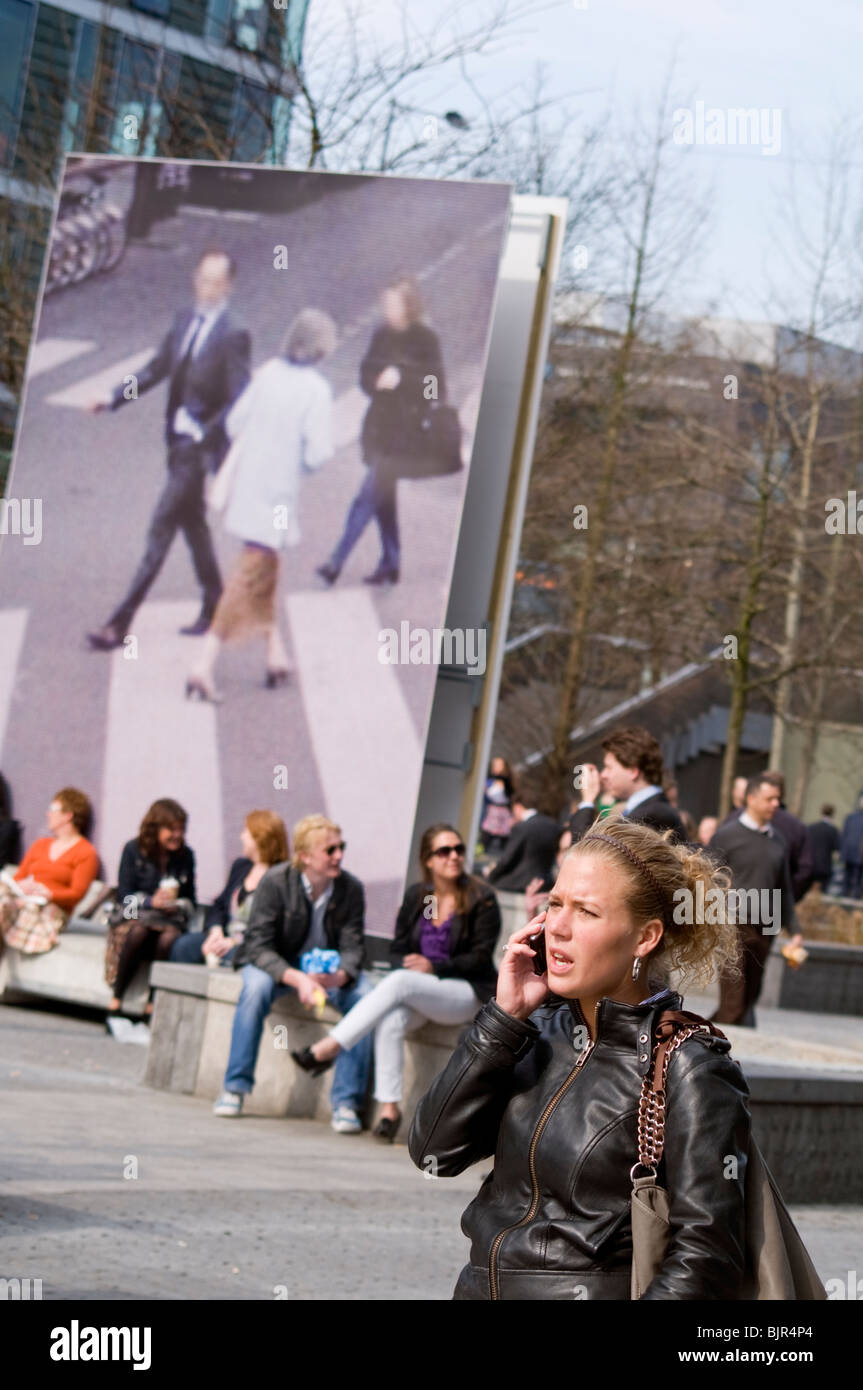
551, 1221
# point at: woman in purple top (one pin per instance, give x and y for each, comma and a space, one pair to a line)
446, 932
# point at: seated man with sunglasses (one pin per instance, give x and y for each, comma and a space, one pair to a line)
442, 954
307, 903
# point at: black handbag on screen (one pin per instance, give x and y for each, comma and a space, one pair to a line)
438, 449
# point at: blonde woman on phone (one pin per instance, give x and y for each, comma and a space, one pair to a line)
548, 1080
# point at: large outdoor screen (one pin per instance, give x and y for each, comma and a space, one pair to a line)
242, 416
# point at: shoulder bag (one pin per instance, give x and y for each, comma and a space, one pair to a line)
438, 446
778, 1265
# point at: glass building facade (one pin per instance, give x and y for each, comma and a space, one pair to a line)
194, 79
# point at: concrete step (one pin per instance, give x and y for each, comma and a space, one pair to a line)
73, 972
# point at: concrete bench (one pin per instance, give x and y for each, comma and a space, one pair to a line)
829, 982
73, 972
190, 1038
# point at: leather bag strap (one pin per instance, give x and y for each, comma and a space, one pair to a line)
672, 1027
668, 1024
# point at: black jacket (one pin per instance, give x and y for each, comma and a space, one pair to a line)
393, 419
218, 914
795, 837
530, 853
212, 380
552, 1219
473, 937
758, 862
655, 811
139, 877
824, 841
851, 847
10, 842
281, 918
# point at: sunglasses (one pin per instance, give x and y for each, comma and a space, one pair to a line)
446, 850
334, 849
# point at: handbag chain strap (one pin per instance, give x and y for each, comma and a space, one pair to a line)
651, 1106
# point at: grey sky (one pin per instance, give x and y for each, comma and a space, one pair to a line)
801, 59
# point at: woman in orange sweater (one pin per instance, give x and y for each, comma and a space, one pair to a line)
53, 876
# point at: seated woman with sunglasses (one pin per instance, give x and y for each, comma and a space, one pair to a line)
446, 932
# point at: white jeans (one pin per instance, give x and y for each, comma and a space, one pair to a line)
400, 1004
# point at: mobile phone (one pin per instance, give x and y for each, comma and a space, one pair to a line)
537, 943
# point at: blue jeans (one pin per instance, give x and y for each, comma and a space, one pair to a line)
376, 498
351, 1075
188, 949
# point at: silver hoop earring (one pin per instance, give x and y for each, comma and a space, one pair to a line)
636, 967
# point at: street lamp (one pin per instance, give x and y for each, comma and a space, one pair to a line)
452, 118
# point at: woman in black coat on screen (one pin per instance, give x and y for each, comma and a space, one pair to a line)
404, 354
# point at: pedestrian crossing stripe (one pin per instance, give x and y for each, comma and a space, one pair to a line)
358, 719
99, 384
56, 352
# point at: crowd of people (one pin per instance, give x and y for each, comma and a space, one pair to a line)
290, 916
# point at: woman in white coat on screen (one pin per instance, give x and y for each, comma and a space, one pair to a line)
280, 425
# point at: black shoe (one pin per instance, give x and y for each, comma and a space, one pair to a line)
309, 1062
387, 1129
198, 689
199, 626
106, 638
328, 573
384, 574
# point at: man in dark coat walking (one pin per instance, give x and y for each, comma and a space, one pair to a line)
761, 878
530, 850
851, 850
205, 358
824, 842
793, 832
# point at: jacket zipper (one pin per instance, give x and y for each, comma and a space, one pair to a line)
544, 1118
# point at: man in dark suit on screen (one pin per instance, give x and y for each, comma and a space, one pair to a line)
205, 359
632, 774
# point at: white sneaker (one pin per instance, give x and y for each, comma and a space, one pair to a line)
230, 1103
346, 1121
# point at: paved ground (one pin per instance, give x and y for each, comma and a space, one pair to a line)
223, 1209
792, 1039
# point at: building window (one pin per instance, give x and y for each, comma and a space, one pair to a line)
218, 22
249, 24
82, 81
137, 110
251, 127
16, 24
161, 9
